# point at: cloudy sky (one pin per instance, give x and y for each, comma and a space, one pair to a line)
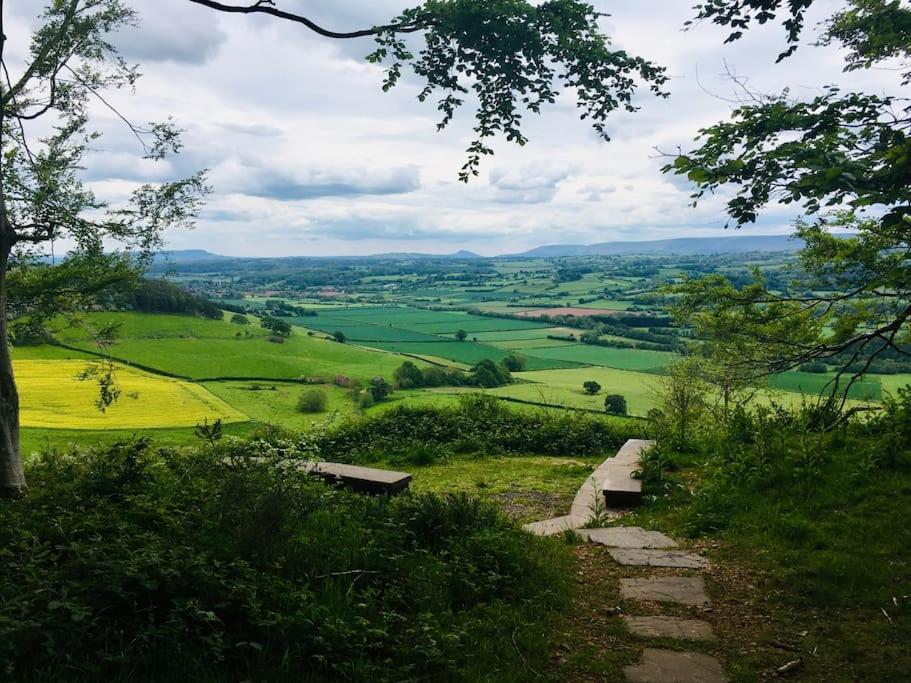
308, 156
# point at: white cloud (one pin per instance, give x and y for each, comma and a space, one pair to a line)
309, 156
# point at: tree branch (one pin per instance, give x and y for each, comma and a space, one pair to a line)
266, 7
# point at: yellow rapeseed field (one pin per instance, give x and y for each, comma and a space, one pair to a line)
51, 395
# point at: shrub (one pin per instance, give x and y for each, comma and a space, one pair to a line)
277, 326
591, 387
615, 404
408, 376
488, 374
514, 362
240, 319
313, 401
339, 336
379, 388
461, 335
133, 564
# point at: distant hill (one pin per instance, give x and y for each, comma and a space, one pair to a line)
462, 253
187, 256
729, 244
683, 246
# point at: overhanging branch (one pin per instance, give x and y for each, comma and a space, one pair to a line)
267, 7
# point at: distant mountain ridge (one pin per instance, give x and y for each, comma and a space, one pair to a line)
683, 246
680, 246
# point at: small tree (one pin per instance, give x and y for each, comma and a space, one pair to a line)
47, 104
339, 336
591, 387
461, 335
682, 399
615, 404
514, 362
281, 328
408, 376
379, 388
240, 319
489, 374
313, 401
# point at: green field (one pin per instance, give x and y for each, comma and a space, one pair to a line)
564, 387
217, 353
468, 353
606, 356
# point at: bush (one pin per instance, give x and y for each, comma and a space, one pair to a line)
514, 362
408, 376
313, 401
278, 327
615, 404
591, 387
132, 564
240, 319
339, 336
480, 420
461, 335
488, 374
379, 388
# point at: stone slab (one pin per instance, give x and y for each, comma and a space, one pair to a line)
668, 666
593, 486
629, 452
619, 488
684, 590
557, 525
627, 537
669, 627
647, 557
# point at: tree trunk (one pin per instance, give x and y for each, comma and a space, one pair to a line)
12, 478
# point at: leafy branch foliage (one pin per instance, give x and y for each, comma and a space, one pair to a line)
508, 57
845, 158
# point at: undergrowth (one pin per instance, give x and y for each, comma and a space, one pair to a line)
134, 563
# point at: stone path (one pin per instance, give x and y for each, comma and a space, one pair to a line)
587, 503
637, 547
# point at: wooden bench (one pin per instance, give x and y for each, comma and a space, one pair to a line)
619, 487
362, 479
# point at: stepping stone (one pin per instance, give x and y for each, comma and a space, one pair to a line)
685, 590
645, 557
667, 666
557, 525
627, 537
670, 627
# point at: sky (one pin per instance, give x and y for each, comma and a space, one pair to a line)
308, 156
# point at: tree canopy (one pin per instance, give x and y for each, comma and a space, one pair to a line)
505, 58
844, 159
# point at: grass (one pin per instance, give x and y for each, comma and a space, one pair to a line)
53, 396
564, 387
465, 352
527, 488
206, 349
35, 439
529, 334
277, 403
622, 359
892, 383
813, 383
